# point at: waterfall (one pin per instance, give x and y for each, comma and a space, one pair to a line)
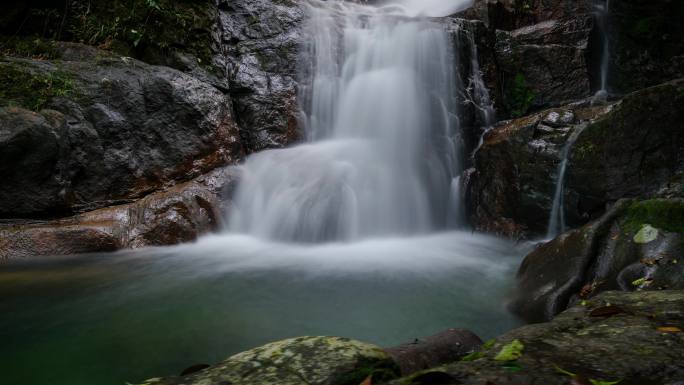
476, 91
557, 218
603, 10
383, 151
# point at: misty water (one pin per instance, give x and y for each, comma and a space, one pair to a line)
358, 232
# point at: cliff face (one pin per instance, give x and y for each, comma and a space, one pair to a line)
101, 106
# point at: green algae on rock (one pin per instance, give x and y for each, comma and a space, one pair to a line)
297, 361
628, 346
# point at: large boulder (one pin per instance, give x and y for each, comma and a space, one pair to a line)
104, 130
630, 338
637, 245
178, 214
262, 40
634, 151
297, 361
629, 149
511, 189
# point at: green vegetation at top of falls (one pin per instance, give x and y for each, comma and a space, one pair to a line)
22, 88
147, 29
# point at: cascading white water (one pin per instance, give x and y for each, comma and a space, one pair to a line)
383, 154
557, 218
603, 9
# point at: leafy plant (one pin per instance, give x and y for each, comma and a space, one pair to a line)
520, 97
511, 351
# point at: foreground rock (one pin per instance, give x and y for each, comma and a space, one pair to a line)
633, 338
630, 149
107, 130
439, 349
297, 361
178, 214
636, 245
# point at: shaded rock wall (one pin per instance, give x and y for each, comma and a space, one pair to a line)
630, 149
119, 129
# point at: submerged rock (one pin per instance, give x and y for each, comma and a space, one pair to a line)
297, 361
637, 245
630, 338
178, 214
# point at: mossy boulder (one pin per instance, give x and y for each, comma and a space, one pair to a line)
634, 151
637, 245
617, 337
297, 361
510, 190
98, 130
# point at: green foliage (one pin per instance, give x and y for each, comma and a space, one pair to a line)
519, 97
20, 87
29, 47
663, 214
129, 27
511, 351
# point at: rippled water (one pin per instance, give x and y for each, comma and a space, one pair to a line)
111, 318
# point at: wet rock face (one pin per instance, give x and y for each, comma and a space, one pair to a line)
262, 40
634, 151
630, 149
178, 214
636, 340
117, 129
545, 64
297, 361
645, 43
510, 191
513, 14
636, 245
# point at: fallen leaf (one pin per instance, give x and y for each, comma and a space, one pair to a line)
646, 234
669, 329
564, 372
649, 261
642, 281
511, 351
599, 382
368, 380
606, 311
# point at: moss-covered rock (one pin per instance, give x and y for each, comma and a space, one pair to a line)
104, 130
510, 192
297, 361
630, 338
637, 245
634, 151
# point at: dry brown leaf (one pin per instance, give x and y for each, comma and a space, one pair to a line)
606, 311
669, 329
368, 380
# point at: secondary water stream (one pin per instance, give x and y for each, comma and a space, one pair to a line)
350, 234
